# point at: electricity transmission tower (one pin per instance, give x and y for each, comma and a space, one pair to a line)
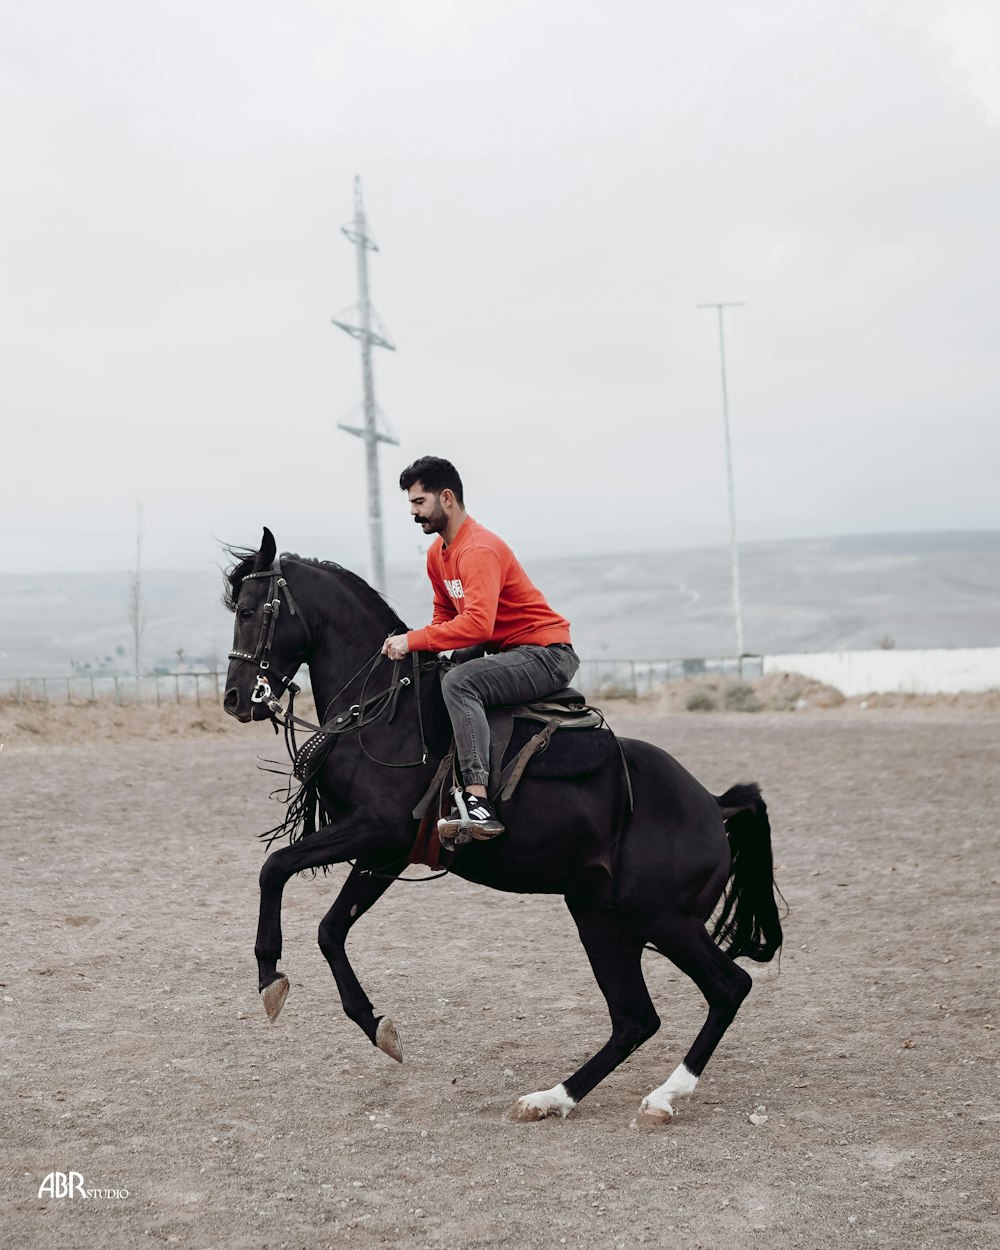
734, 555
360, 326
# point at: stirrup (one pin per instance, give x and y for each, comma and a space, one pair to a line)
462, 827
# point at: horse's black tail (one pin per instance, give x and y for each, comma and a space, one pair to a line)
748, 923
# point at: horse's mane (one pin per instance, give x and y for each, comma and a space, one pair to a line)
245, 557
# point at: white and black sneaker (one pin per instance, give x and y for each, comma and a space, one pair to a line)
472, 818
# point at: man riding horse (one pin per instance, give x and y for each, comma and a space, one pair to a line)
642, 859
512, 646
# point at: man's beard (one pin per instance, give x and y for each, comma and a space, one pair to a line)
436, 523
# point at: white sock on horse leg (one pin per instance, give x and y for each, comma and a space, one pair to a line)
680, 1083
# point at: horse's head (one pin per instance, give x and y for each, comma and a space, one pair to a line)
265, 657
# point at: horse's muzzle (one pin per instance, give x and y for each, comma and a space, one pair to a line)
231, 703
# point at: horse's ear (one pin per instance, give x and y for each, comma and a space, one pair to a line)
268, 547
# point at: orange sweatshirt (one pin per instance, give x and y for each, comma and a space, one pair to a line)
481, 594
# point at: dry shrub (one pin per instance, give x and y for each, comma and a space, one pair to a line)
739, 696
700, 701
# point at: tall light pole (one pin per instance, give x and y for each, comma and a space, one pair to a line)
734, 555
360, 235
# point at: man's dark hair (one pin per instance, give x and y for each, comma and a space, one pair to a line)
435, 475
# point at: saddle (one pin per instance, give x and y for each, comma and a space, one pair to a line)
519, 734
521, 741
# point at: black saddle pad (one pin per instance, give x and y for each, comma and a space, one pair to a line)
570, 753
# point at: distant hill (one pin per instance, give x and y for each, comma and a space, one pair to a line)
920, 590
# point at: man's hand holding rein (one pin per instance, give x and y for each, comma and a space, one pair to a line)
396, 647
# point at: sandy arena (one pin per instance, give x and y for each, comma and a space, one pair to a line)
136, 1051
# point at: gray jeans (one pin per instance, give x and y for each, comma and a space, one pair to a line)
520, 675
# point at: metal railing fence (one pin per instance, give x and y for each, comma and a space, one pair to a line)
155, 688
604, 678
633, 679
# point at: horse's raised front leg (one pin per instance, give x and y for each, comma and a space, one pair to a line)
614, 948
724, 984
330, 845
359, 892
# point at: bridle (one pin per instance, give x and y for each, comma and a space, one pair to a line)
261, 655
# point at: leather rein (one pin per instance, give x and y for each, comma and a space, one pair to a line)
355, 718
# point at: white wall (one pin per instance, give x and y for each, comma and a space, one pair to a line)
906, 672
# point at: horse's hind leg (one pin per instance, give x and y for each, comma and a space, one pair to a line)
359, 892
614, 948
724, 984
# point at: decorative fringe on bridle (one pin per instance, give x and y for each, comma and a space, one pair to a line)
305, 810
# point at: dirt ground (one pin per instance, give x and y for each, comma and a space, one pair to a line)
135, 1050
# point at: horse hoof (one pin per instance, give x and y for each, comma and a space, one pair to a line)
525, 1112
653, 1117
274, 996
387, 1039
540, 1105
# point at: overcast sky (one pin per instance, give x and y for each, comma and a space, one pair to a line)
554, 186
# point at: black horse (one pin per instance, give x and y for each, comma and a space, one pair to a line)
648, 867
